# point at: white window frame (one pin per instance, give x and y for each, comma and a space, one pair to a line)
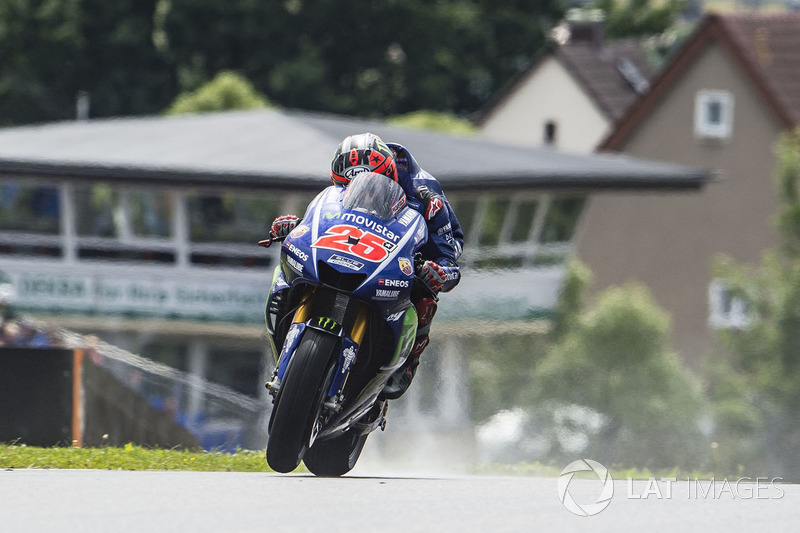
726, 312
703, 129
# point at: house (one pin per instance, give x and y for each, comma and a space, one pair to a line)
720, 103
572, 96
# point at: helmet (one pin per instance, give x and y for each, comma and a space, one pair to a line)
365, 152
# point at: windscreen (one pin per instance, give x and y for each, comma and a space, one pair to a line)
374, 194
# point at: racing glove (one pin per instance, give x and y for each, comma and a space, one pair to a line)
433, 201
433, 275
283, 225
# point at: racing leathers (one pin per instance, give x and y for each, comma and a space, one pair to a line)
439, 255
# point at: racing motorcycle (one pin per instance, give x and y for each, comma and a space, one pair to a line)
340, 322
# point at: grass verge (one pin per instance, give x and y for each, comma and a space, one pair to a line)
131, 457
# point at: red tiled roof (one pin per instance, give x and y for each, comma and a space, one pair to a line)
767, 47
595, 69
598, 71
771, 44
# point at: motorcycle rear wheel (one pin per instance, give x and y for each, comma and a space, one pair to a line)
299, 401
335, 457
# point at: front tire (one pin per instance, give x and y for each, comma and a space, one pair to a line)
335, 457
300, 399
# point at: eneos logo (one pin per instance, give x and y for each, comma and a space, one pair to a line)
585, 465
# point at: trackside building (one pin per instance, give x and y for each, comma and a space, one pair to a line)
143, 230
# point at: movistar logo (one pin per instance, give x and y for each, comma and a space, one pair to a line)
331, 216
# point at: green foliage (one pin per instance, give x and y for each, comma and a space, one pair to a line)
500, 371
633, 18
570, 300
359, 57
613, 383
787, 173
130, 457
53, 49
765, 355
435, 121
226, 92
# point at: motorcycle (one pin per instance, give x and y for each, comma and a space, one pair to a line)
340, 321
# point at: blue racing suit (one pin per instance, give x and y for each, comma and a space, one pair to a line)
425, 195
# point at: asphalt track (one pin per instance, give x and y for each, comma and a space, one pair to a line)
116, 501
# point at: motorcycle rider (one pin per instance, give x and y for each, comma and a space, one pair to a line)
439, 270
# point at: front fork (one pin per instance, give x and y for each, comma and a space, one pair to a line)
349, 346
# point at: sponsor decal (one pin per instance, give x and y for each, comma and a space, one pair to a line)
295, 265
420, 233
346, 262
395, 316
405, 266
452, 275
352, 172
297, 251
290, 338
327, 324
331, 215
407, 217
355, 241
434, 206
402, 283
444, 229
370, 224
383, 293
299, 231
349, 355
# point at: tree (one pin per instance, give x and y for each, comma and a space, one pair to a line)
227, 91
765, 354
39, 43
435, 121
54, 49
612, 389
363, 57
633, 18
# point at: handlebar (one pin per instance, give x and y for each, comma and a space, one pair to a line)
266, 243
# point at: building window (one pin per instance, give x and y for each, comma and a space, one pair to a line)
713, 115
522, 226
725, 309
517, 230
230, 217
562, 219
493, 219
29, 208
97, 211
151, 213
550, 131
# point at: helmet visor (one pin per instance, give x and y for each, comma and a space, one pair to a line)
374, 194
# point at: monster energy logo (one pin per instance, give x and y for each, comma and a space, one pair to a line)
327, 324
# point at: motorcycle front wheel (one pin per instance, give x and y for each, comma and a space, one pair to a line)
335, 457
299, 402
